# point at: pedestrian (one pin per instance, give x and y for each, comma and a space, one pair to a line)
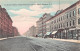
36, 35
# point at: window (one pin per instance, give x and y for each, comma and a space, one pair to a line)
74, 13
67, 15
79, 11
79, 21
59, 25
73, 22
70, 23
70, 14
67, 24
61, 18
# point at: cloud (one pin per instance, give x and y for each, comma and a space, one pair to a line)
26, 19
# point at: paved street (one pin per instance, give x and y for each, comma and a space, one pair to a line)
37, 44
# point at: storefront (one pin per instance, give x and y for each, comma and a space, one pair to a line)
72, 33
60, 34
53, 34
47, 35
39, 35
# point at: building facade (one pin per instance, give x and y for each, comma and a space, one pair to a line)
15, 31
5, 23
31, 32
67, 22
41, 24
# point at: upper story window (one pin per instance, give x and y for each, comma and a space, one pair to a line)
67, 15
70, 14
79, 11
74, 13
73, 22
67, 24
59, 19
59, 25
70, 23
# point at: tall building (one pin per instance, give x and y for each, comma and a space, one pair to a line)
67, 22
5, 23
41, 23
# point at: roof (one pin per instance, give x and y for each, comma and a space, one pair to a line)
65, 10
68, 8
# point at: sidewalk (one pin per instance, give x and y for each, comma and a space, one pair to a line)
67, 40
3, 38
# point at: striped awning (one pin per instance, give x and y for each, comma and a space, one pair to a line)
48, 33
54, 32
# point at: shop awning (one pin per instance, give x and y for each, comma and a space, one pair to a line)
54, 32
77, 28
40, 34
48, 33
72, 29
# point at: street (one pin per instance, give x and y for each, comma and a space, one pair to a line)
37, 44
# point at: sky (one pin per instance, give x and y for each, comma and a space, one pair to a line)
25, 13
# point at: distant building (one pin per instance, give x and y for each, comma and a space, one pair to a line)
31, 31
41, 23
15, 32
5, 23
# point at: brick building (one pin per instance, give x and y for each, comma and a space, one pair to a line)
5, 23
